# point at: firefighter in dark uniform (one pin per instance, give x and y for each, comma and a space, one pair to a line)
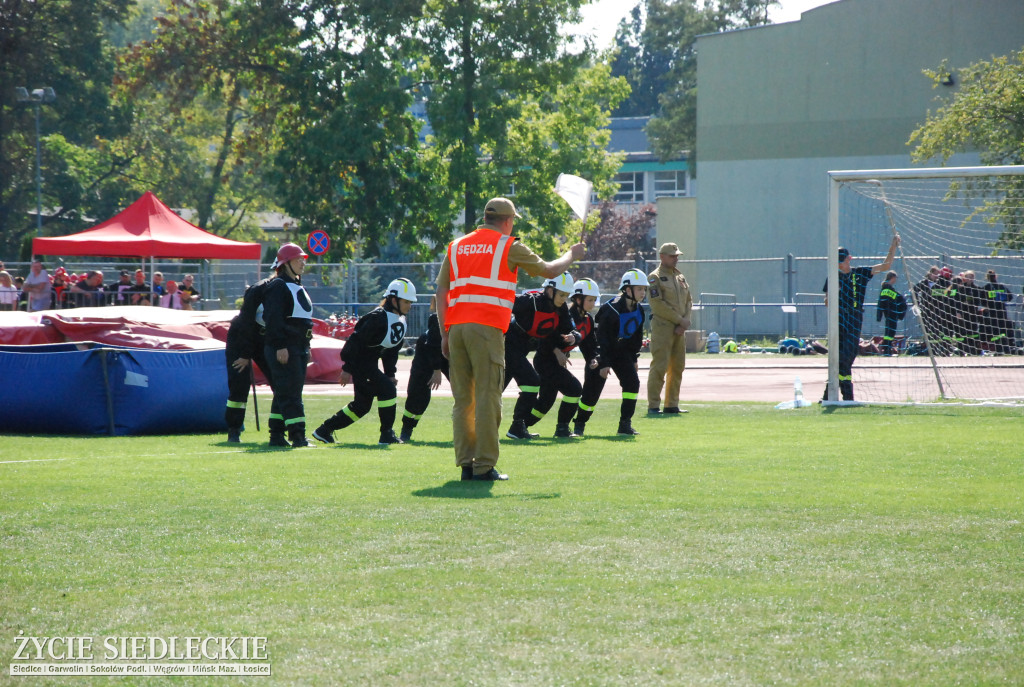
996, 323
620, 334
534, 317
244, 346
853, 283
891, 306
288, 313
585, 296
378, 336
428, 365
550, 362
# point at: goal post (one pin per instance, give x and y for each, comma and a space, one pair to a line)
959, 269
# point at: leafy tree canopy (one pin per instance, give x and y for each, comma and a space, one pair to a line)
985, 114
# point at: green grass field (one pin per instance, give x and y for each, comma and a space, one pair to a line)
735, 545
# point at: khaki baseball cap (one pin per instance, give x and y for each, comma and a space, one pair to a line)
669, 249
501, 207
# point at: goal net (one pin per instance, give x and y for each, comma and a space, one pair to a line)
943, 321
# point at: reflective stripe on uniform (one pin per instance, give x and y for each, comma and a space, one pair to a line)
236, 404
486, 300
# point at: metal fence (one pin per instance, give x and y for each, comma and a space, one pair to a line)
741, 299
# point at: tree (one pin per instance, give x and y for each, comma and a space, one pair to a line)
985, 114
619, 233
205, 92
660, 61
481, 58
350, 161
562, 131
60, 44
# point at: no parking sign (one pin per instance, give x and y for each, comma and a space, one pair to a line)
319, 242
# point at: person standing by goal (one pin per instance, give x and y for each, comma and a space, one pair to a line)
853, 283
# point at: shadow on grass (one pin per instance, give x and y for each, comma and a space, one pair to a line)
457, 489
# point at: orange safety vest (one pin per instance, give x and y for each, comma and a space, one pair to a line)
482, 287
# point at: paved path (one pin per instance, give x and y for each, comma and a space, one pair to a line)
740, 377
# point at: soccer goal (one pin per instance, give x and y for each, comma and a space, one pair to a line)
959, 270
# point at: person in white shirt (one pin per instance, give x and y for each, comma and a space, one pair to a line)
173, 297
8, 292
37, 286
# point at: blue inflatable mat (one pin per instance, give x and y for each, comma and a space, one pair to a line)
62, 389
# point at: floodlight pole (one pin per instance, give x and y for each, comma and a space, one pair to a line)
37, 97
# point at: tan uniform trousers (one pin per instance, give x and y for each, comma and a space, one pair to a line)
477, 374
668, 360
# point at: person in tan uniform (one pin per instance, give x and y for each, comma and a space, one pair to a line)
671, 304
476, 287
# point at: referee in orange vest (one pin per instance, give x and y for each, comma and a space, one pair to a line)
475, 291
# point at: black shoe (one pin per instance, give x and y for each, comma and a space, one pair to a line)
405, 437
234, 436
389, 437
518, 430
277, 439
626, 429
467, 473
323, 435
563, 432
675, 411
491, 476
655, 411
302, 442
578, 428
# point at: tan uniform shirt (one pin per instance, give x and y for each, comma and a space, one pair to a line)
669, 295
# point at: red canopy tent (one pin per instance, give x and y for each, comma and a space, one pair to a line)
147, 229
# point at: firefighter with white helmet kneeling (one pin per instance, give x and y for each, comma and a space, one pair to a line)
620, 332
288, 314
378, 336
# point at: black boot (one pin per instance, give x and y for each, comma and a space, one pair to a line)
518, 430
626, 428
562, 431
277, 439
388, 437
578, 428
323, 434
297, 435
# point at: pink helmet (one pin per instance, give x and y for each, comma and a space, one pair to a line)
286, 252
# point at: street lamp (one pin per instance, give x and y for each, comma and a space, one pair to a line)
37, 97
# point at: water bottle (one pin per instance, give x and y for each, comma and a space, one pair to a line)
713, 342
798, 394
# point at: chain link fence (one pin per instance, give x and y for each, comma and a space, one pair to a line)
761, 298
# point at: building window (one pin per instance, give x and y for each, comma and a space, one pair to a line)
669, 184
631, 187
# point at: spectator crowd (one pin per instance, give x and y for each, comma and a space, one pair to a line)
41, 290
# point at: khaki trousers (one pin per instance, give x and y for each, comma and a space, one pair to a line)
477, 374
668, 360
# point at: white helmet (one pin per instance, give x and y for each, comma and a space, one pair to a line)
403, 288
633, 277
587, 287
562, 282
